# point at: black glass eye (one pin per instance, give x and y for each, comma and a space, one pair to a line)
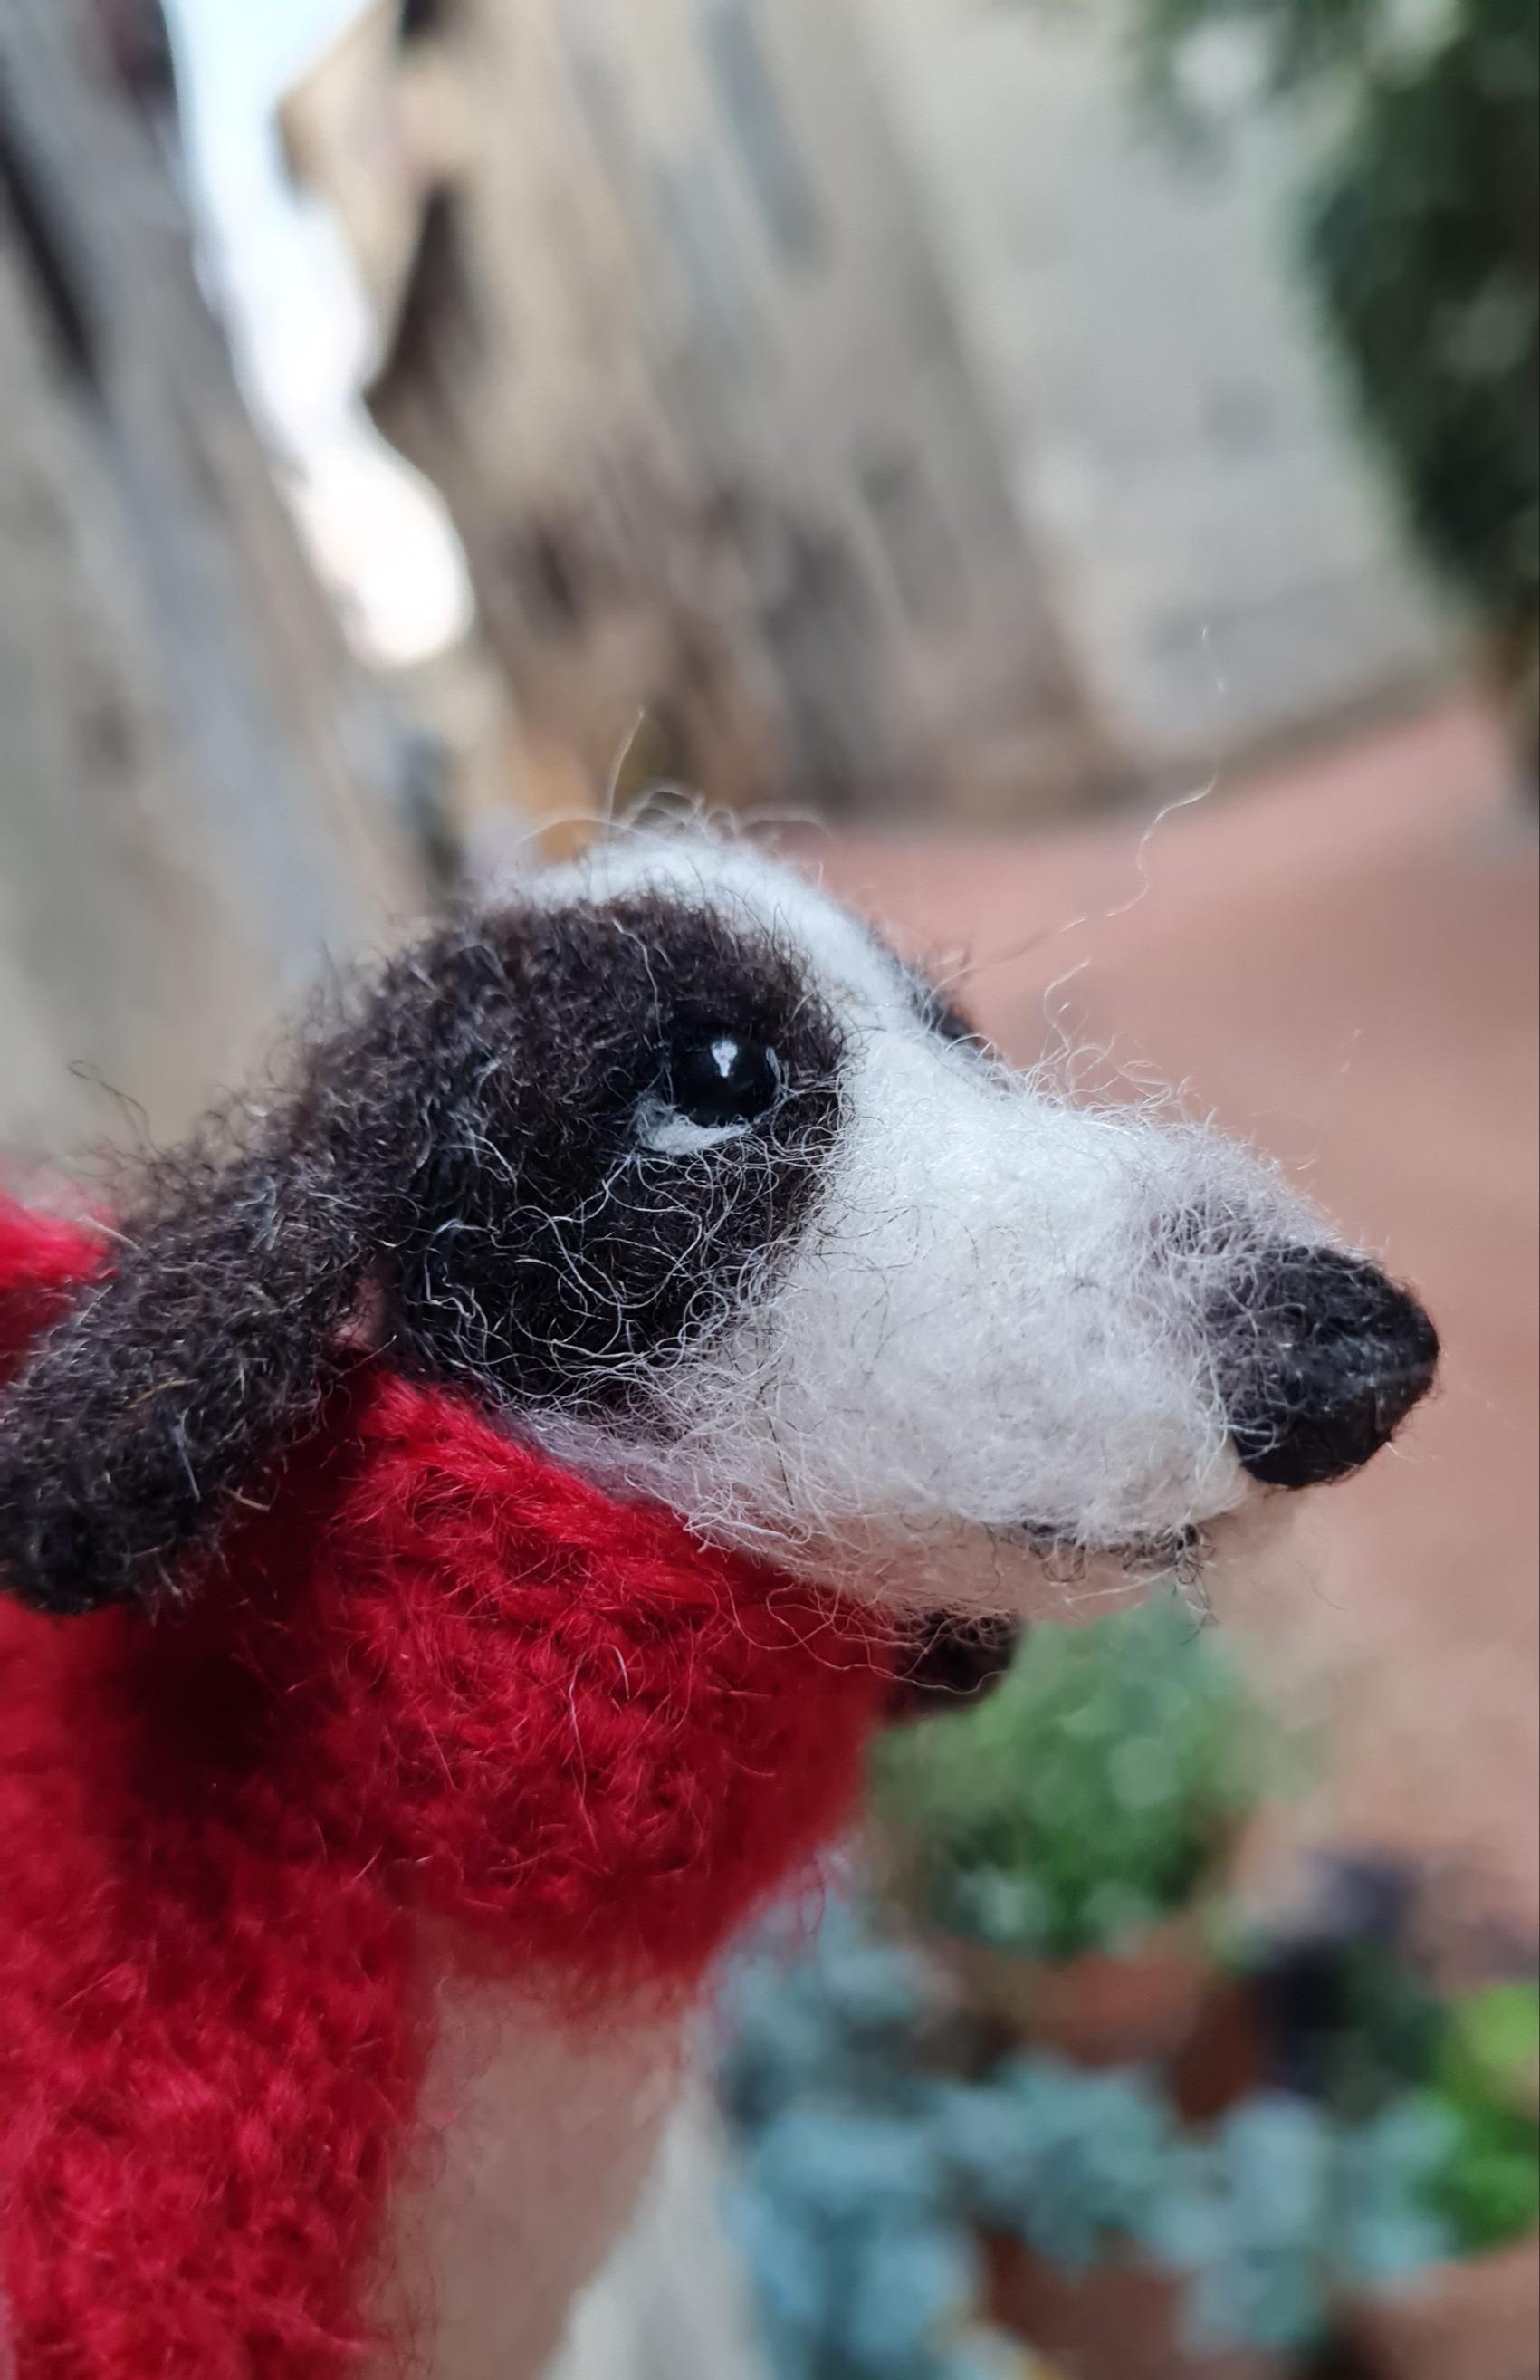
721, 1078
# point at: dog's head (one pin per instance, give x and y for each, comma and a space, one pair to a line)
673, 1164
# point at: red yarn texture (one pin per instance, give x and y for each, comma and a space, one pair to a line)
437, 1677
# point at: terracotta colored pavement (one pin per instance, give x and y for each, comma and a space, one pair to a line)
1339, 960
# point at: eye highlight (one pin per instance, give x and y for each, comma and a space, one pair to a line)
722, 1078
714, 1086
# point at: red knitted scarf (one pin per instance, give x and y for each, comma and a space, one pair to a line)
437, 1677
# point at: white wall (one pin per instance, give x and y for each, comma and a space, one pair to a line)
1226, 563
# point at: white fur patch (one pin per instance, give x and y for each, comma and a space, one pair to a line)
534, 2144
983, 1375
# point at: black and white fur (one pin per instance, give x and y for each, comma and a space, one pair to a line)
675, 1166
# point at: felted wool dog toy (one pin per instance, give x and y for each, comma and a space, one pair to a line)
461, 1521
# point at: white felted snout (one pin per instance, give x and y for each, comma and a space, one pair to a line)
993, 1345
985, 1375
985, 1326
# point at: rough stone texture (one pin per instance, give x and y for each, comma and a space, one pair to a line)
862, 388
1223, 561
192, 803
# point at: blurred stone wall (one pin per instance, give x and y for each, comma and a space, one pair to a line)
864, 389
699, 407
196, 782
1229, 567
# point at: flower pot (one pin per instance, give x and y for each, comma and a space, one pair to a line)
1478, 2320
1100, 2009
1122, 2320
1223, 2059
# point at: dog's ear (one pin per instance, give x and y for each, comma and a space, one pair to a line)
125, 1439
131, 1433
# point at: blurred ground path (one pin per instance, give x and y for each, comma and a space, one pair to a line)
1340, 959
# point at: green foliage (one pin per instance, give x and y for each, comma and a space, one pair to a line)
1365, 2033
1387, 2034
1489, 2188
1278, 2207
862, 2273
1422, 239
1386, 2225
1076, 2163
1304, 38
862, 2255
1490, 2055
1468, 2072
865, 2170
1089, 1796
1489, 2184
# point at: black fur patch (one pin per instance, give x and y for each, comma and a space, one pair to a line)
568, 1262
954, 1661
461, 1156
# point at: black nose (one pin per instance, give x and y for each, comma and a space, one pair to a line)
1323, 1359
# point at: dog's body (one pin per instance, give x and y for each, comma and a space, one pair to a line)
549, 2132
541, 1435
456, 1765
